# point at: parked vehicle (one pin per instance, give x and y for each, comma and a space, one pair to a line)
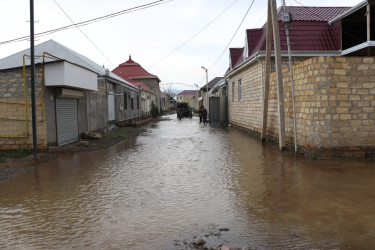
183, 110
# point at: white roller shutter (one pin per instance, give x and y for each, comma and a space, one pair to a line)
67, 120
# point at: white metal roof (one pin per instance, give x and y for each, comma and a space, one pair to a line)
218, 85
58, 50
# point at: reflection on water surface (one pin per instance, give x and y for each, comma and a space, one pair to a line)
183, 180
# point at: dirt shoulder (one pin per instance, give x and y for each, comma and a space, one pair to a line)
13, 167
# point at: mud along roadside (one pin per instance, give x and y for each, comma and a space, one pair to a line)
17, 163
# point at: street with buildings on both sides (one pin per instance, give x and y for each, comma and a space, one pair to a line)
175, 182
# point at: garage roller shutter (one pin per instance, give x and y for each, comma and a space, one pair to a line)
67, 121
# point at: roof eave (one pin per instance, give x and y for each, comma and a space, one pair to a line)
350, 11
358, 47
261, 54
144, 77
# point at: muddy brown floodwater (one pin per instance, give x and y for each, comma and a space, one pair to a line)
182, 180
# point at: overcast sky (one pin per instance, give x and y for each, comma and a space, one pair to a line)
172, 40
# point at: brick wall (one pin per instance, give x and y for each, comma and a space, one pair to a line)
335, 104
15, 126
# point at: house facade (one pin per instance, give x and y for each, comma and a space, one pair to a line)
73, 95
188, 96
203, 91
164, 101
218, 103
147, 97
333, 81
136, 72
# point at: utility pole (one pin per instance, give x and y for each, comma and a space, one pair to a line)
286, 20
368, 10
279, 76
206, 86
267, 74
32, 72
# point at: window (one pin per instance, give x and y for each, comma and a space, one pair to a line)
125, 100
239, 90
137, 101
233, 91
132, 103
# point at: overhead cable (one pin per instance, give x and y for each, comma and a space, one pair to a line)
233, 35
94, 20
84, 34
195, 35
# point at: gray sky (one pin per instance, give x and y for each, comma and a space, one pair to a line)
172, 40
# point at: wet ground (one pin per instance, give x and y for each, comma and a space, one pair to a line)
182, 180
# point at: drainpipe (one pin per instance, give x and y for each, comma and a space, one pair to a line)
261, 78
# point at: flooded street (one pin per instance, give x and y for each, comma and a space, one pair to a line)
182, 180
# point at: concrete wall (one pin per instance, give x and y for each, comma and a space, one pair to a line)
124, 114
15, 117
334, 102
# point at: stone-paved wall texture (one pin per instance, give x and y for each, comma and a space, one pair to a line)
15, 116
335, 104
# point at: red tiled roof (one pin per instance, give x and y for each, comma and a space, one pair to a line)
235, 55
188, 92
132, 70
309, 31
141, 84
163, 94
137, 83
319, 14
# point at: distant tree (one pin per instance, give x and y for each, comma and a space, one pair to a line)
168, 91
154, 110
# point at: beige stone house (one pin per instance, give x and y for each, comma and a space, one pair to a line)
188, 96
165, 103
334, 80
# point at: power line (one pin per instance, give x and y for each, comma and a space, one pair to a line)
88, 22
84, 33
233, 35
200, 31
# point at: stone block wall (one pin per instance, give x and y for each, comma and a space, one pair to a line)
335, 104
15, 123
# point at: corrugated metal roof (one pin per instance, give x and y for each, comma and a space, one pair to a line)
235, 56
309, 31
212, 83
319, 14
58, 50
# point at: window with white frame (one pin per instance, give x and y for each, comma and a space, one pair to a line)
239, 90
233, 91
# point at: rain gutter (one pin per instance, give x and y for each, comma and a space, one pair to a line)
302, 53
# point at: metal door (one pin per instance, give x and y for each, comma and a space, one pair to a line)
66, 120
214, 109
